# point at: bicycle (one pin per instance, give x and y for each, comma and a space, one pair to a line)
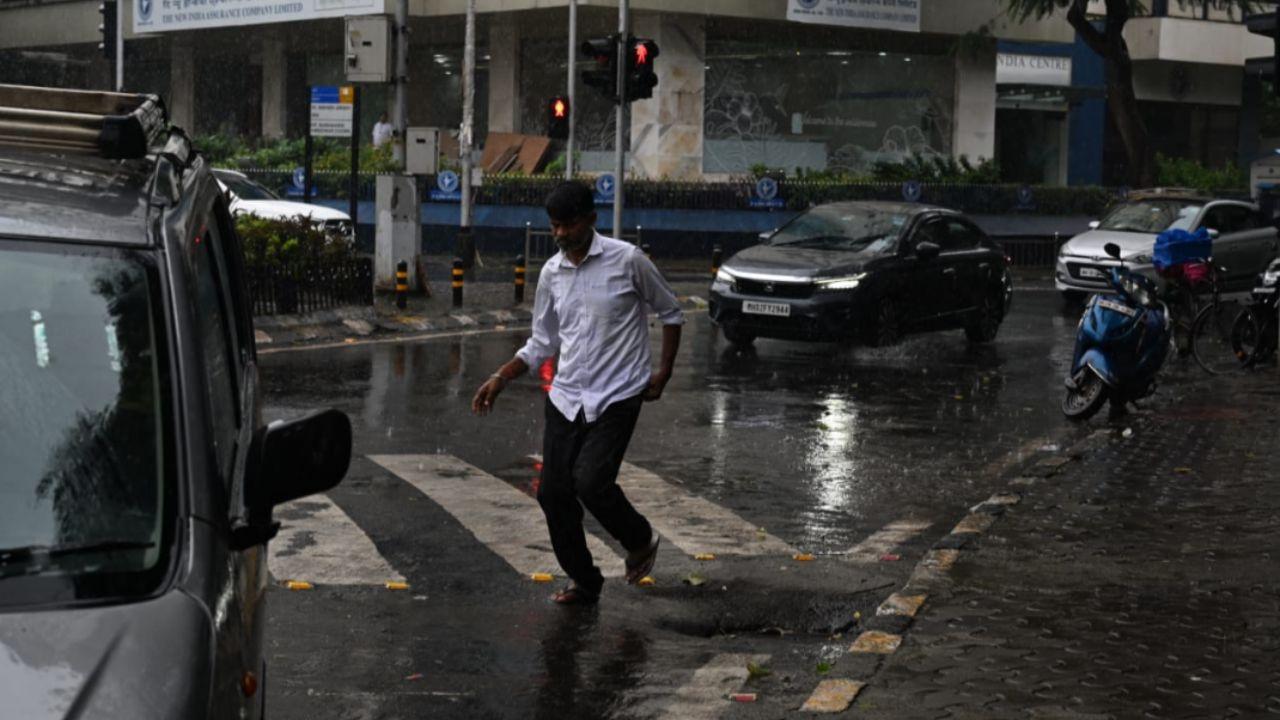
1184, 295
1223, 335
1256, 328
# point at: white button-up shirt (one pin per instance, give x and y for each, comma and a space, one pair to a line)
594, 315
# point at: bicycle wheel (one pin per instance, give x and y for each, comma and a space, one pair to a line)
1220, 339
1246, 337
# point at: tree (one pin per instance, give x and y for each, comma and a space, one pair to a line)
1105, 36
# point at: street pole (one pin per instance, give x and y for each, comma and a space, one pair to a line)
120, 47
468, 119
402, 81
353, 203
573, 81
620, 114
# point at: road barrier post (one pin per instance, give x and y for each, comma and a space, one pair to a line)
457, 282
402, 284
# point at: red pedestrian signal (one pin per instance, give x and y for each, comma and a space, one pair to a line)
642, 53
558, 118
642, 77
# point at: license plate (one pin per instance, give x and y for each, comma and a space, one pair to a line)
1088, 272
1264, 291
1113, 305
760, 308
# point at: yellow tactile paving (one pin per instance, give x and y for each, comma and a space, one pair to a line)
832, 696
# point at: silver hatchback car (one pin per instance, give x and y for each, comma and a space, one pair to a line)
1243, 240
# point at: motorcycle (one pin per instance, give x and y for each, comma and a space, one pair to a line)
1255, 331
1121, 343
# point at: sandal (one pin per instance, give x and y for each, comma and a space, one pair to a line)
575, 595
639, 564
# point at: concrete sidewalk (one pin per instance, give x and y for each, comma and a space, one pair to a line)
1139, 580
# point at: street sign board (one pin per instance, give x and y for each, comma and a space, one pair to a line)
332, 110
766, 195
448, 187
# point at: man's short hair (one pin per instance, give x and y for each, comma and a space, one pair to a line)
569, 201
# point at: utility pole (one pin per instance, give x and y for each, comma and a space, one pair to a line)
464, 135
401, 112
620, 114
119, 47
573, 81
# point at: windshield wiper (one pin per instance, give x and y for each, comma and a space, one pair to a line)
27, 552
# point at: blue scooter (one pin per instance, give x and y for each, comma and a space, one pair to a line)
1121, 342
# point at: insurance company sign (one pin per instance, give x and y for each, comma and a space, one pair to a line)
902, 15
161, 15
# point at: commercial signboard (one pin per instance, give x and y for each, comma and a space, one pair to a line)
1015, 69
332, 110
901, 15
151, 16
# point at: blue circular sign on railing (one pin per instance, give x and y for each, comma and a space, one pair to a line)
766, 188
447, 181
605, 185
299, 178
912, 191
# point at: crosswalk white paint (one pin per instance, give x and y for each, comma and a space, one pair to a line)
885, 540
703, 697
507, 521
321, 544
691, 523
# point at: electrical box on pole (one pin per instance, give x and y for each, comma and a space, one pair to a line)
367, 47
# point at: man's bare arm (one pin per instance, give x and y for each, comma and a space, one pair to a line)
482, 403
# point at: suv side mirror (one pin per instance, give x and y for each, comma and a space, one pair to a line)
764, 236
1093, 224
1213, 233
1112, 249
927, 251
300, 457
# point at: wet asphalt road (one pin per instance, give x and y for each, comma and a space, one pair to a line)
821, 446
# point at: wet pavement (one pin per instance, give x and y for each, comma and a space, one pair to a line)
863, 459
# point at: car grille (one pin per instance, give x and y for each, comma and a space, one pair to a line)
764, 288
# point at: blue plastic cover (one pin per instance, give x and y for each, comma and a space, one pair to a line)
1174, 247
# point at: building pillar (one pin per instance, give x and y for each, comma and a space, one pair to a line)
181, 102
504, 74
973, 132
275, 87
667, 129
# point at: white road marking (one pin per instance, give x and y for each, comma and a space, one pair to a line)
507, 521
885, 540
691, 523
321, 544
703, 696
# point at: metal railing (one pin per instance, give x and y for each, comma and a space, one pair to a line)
302, 288
540, 245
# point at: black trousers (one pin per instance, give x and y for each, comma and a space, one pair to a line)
580, 462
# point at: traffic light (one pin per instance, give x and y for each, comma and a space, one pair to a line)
641, 76
1268, 68
603, 74
107, 28
558, 118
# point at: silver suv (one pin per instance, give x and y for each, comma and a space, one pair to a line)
1243, 240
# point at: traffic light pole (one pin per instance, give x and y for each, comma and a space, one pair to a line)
619, 154
401, 86
119, 39
573, 81
465, 135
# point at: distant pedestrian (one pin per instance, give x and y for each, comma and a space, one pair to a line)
382, 131
591, 309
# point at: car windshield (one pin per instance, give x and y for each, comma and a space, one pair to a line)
1151, 216
246, 189
85, 415
859, 230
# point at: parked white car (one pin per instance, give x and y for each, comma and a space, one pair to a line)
247, 196
1243, 240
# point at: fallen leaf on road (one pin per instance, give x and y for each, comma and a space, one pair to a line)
704, 556
646, 581
803, 557
541, 577
694, 579
757, 671
824, 668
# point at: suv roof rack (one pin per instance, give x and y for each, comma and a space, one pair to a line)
112, 125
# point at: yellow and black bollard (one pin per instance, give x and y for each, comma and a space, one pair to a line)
402, 284
457, 282
717, 255
519, 279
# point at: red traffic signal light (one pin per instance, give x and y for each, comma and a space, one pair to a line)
604, 75
558, 118
641, 75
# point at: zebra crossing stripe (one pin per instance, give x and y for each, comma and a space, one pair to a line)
320, 544
885, 539
507, 521
691, 523
703, 696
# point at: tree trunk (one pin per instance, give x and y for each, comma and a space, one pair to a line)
1110, 45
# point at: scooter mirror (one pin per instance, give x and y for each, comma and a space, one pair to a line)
1112, 249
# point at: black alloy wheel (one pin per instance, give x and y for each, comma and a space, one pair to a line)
887, 329
1086, 398
985, 321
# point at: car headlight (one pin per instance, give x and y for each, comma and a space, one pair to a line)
848, 282
723, 276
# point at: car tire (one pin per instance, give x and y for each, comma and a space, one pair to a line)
886, 327
984, 324
736, 335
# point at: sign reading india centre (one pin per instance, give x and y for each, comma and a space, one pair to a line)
902, 15
332, 110
161, 15
1012, 69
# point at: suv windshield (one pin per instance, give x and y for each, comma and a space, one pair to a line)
1152, 216
244, 188
859, 230
85, 444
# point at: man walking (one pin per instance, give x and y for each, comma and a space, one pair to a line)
591, 309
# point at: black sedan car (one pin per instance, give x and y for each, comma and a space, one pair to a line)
867, 272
